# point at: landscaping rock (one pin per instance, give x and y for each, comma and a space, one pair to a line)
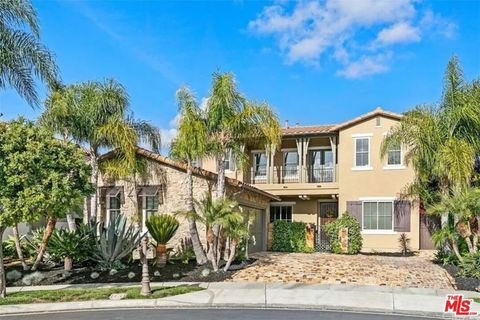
205, 272
118, 296
33, 279
94, 275
131, 275
176, 275
113, 272
156, 273
13, 275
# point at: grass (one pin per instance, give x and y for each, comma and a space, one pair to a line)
67, 295
477, 300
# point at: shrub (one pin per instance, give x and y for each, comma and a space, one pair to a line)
470, 267
162, 228
404, 243
445, 257
114, 242
354, 236
289, 236
9, 249
69, 245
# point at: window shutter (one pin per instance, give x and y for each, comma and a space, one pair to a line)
122, 195
402, 212
354, 208
102, 194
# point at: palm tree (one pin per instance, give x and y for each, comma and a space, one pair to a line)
189, 145
442, 143
232, 122
213, 212
23, 57
96, 116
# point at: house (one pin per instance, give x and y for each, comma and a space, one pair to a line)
162, 189
321, 171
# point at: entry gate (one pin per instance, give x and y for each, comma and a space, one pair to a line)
328, 212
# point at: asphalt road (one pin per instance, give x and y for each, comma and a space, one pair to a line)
205, 314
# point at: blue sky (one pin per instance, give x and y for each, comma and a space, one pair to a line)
314, 62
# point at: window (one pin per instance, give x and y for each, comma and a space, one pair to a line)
259, 165
321, 166
362, 148
149, 200
290, 164
281, 212
114, 203
378, 122
229, 161
378, 215
394, 157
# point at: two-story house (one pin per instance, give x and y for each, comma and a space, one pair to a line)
321, 171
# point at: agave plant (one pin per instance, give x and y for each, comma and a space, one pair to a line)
162, 228
69, 245
114, 242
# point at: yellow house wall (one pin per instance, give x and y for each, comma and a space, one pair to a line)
377, 182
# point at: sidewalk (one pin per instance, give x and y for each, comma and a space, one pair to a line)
378, 299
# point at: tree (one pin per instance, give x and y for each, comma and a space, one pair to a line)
96, 115
442, 143
232, 122
40, 176
23, 58
189, 145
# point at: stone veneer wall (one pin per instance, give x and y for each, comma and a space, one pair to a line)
173, 195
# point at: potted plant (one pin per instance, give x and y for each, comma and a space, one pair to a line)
162, 228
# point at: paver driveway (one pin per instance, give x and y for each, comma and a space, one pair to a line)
414, 272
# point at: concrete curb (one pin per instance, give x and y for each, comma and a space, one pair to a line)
238, 295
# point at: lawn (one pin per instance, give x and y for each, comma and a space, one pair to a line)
66, 295
477, 300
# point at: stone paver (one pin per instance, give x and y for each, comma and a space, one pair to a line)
414, 272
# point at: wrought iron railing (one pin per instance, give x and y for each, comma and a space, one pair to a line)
320, 174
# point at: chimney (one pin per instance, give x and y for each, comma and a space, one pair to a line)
286, 124
297, 124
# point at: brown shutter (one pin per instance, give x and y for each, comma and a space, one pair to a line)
122, 195
102, 194
354, 208
402, 212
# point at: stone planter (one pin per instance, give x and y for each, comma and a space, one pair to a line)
161, 255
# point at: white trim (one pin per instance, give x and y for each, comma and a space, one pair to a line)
362, 135
258, 151
377, 199
283, 203
365, 168
394, 167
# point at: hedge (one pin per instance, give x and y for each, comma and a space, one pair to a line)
289, 236
354, 236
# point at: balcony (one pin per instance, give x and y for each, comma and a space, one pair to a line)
291, 174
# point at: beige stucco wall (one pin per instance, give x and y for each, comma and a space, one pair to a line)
377, 182
174, 195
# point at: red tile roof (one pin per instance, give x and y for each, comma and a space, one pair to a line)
196, 171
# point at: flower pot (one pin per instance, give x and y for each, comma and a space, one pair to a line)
161, 255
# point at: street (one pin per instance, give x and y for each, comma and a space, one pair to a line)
205, 314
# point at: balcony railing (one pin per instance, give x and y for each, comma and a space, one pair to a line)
320, 174
291, 174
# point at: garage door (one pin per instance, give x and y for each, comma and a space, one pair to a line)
257, 229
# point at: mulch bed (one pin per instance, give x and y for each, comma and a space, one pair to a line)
175, 271
463, 283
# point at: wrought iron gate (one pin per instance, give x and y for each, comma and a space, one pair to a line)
322, 242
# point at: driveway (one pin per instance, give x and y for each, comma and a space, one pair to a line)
364, 269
